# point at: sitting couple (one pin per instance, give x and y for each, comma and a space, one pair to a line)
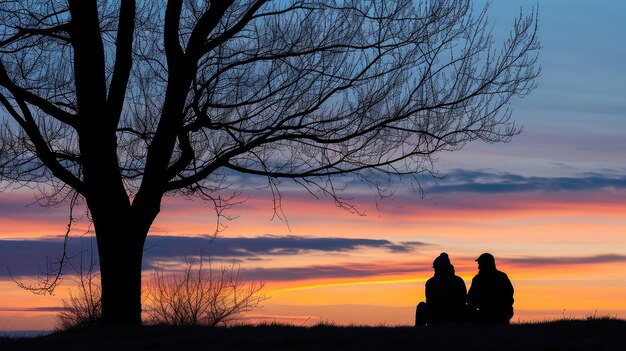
490, 298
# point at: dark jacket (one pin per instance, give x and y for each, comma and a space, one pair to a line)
490, 298
445, 296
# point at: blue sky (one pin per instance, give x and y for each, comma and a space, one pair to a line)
575, 120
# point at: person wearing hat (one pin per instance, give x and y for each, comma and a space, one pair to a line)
445, 295
490, 297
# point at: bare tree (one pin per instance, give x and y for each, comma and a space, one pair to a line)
125, 102
201, 296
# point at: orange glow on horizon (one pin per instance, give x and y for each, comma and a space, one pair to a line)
389, 284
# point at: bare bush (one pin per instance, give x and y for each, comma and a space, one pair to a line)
84, 307
201, 295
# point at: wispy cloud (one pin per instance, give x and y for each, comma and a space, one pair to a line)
172, 246
34, 257
378, 269
32, 309
29, 257
15, 206
565, 261
473, 181
345, 271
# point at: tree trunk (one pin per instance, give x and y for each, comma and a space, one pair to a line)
120, 269
121, 236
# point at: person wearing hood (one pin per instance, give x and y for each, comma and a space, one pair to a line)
490, 297
445, 295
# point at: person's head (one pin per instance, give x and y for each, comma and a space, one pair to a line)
442, 264
486, 262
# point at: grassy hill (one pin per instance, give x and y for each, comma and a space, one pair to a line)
595, 334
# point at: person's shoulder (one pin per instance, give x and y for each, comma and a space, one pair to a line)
501, 273
477, 280
458, 280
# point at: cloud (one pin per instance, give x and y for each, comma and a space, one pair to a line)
562, 261
33, 309
24, 206
377, 269
169, 246
485, 182
29, 257
352, 270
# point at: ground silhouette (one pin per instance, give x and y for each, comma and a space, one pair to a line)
592, 334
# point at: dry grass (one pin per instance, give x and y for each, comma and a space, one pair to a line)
592, 334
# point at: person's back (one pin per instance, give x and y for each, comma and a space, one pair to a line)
490, 298
445, 295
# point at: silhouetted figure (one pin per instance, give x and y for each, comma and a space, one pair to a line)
445, 295
490, 298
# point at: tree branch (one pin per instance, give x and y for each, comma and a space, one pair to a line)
51, 32
173, 49
45, 105
45, 154
89, 65
207, 22
245, 19
123, 58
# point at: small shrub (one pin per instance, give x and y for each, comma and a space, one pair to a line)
84, 308
201, 295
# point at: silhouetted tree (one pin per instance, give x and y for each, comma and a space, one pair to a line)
124, 102
198, 295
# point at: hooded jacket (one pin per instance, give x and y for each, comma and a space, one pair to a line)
445, 293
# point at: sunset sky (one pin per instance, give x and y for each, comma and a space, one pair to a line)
550, 206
